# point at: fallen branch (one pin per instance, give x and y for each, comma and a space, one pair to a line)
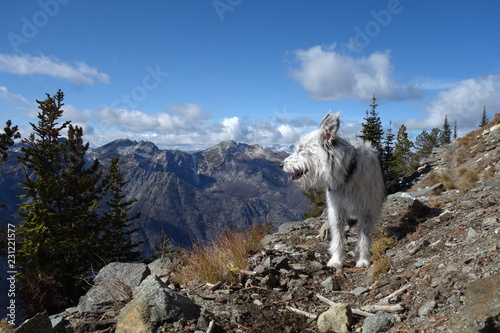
195, 288
354, 311
386, 308
214, 287
302, 313
397, 292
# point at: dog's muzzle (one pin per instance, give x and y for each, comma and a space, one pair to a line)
296, 173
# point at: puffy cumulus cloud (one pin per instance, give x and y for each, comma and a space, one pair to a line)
77, 72
462, 103
138, 121
330, 75
190, 127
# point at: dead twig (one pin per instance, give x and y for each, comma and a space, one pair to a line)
397, 292
387, 308
302, 313
195, 288
246, 272
214, 287
354, 311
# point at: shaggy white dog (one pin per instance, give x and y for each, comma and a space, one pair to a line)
351, 174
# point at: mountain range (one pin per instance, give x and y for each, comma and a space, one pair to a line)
192, 197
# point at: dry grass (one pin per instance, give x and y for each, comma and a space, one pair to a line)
381, 263
434, 178
222, 259
467, 179
381, 245
381, 266
5, 327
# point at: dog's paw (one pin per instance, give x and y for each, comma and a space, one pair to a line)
363, 263
335, 263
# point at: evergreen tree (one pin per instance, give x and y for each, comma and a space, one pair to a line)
317, 202
7, 139
455, 131
58, 231
403, 164
372, 129
425, 142
388, 161
484, 118
165, 248
116, 242
445, 134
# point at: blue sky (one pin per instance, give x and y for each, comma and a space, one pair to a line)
189, 74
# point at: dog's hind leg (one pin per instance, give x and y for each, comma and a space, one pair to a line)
364, 241
336, 220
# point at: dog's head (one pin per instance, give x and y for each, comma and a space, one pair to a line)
310, 158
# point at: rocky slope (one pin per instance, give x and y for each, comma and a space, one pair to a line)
438, 271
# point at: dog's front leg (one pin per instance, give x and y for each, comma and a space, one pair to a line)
364, 241
336, 219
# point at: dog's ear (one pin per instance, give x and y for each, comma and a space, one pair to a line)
329, 127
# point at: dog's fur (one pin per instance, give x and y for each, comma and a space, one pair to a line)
351, 174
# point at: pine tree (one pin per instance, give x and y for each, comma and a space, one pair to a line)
372, 129
403, 163
445, 134
7, 139
117, 245
455, 131
388, 161
165, 248
484, 118
58, 231
425, 142
317, 202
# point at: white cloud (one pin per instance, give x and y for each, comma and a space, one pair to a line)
77, 72
189, 126
191, 111
329, 75
462, 103
19, 101
138, 121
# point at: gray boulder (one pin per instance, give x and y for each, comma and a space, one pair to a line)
154, 304
114, 286
482, 304
379, 322
40, 323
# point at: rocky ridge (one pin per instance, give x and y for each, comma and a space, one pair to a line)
440, 272
191, 196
